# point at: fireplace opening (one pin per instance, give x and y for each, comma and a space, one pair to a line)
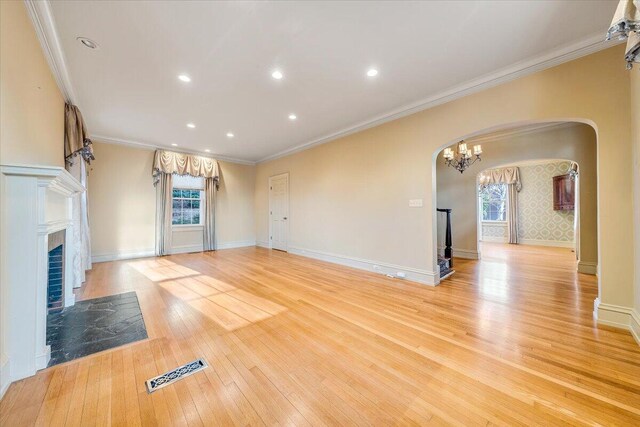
55, 272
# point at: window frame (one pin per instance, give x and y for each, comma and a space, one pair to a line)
191, 184
200, 199
481, 203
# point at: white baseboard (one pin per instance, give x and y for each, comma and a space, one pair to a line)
176, 250
587, 267
552, 243
5, 377
123, 255
413, 274
618, 317
262, 243
236, 244
465, 253
533, 242
494, 239
42, 360
634, 325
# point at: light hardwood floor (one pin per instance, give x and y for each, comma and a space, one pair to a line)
509, 340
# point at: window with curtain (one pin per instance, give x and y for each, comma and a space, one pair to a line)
187, 200
493, 202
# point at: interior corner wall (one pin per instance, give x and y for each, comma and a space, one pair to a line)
31, 122
349, 197
122, 202
31, 105
575, 142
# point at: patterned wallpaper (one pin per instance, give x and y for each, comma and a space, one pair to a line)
494, 230
537, 219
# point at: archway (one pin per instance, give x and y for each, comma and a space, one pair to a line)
561, 150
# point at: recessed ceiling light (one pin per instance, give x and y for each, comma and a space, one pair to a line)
372, 72
207, 151
184, 78
277, 74
87, 42
174, 145
292, 117
191, 125
230, 135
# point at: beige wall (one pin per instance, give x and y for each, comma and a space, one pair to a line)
31, 106
574, 142
122, 203
350, 197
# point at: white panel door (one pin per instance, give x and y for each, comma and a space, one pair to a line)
279, 211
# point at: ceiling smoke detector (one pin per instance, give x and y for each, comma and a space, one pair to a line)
87, 42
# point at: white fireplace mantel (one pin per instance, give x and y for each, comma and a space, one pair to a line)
36, 201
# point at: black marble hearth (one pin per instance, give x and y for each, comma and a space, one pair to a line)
94, 325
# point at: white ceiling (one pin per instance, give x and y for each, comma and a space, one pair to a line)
128, 88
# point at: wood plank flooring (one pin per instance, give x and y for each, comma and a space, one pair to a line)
509, 340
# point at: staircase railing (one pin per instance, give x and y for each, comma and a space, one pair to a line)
448, 252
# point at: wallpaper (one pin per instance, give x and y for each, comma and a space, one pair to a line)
537, 219
494, 230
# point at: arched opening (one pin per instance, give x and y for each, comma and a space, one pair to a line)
556, 142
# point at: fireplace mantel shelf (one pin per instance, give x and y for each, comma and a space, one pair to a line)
55, 177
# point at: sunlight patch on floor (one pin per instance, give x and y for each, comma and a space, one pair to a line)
220, 302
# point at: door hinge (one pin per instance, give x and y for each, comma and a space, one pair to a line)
271, 237
270, 188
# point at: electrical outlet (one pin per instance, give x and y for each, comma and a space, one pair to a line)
415, 203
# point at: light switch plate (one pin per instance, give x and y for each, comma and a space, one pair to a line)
415, 203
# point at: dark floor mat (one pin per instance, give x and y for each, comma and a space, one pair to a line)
94, 325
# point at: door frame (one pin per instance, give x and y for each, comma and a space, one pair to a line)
280, 175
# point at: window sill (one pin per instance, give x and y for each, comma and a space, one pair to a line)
489, 222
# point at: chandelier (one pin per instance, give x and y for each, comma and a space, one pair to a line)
462, 160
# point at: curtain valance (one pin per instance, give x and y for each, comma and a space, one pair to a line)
184, 164
626, 26
502, 176
76, 139
625, 20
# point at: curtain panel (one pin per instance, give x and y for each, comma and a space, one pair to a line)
210, 190
164, 191
78, 145
170, 162
512, 213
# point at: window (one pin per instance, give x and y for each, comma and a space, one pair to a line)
187, 200
493, 202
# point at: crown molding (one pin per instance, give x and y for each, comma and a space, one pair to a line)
44, 24
148, 146
520, 131
558, 56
